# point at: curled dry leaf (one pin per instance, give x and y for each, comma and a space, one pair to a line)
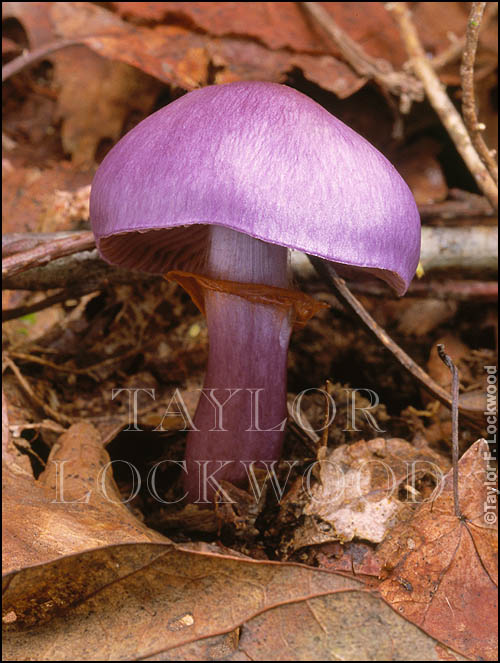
443, 572
70, 508
357, 494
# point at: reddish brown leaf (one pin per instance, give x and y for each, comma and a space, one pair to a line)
174, 54
29, 197
282, 25
443, 571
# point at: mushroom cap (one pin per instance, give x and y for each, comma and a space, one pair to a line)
262, 159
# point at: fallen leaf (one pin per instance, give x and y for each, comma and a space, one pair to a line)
113, 91
443, 570
420, 167
166, 603
147, 598
352, 557
30, 202
424, 315
67, 509
357, 494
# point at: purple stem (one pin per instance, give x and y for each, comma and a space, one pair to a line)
247, 362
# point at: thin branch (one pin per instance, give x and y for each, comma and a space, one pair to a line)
457, 45
468, 95
46, 252
403, 85
440, 101
446, 359
57, 416
472, 250
30, 57
462, 291
329, 275
21, 311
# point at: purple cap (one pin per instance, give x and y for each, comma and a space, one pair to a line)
262, 159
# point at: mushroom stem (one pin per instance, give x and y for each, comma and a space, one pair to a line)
248, 345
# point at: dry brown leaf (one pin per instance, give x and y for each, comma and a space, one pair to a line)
146, 598
282, 25
41, 523
174, 54
268, 29
348, 627
29, 200
352, 557
423, 315
422, 171
159, 602
357, 493
112, 92
443, 571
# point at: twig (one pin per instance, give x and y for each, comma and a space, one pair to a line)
457, 45
50, 364
468, 94
329, 275
21, 311
44, 253
61, 418
462, 291
20, 242
30, 57
450, 54
403, 85
446, 359
440, 101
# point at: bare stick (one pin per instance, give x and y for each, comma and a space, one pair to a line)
329, 275
397, 82
30, 57
59, 417
44, 253
456, 47
468, 95
441, 103
21, 311
446, 359
462, 291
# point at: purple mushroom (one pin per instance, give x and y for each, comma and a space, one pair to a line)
220, 184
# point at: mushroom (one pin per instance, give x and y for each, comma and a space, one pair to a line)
214, 190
